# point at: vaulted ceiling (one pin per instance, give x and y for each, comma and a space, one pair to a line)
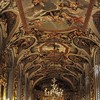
50, 38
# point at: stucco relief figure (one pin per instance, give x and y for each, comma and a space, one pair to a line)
70, 4
39, 7
66, 17
36, 2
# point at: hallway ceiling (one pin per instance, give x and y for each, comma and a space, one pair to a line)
50, 38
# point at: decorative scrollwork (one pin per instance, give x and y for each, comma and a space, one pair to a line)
4, 4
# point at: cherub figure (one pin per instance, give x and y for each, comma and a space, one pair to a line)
36, 2
66, 17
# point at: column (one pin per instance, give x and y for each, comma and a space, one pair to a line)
4, 94
25, 88
0, 91
87, 81
81, 88
19, 83
97, 81
10, 79
75, 96
87, 85
97, 73
30, 90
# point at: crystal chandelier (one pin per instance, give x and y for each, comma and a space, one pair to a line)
55, 91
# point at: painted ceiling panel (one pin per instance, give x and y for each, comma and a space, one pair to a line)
55, 15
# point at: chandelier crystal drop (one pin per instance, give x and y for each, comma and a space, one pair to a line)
55, 91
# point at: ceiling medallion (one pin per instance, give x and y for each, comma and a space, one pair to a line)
55, 92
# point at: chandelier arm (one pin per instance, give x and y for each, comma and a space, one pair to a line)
55, 90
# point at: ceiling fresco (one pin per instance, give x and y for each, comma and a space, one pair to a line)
48, 38
55, 15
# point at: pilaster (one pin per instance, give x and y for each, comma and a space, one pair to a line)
97, 81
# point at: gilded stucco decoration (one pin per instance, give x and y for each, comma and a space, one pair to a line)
49, 38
